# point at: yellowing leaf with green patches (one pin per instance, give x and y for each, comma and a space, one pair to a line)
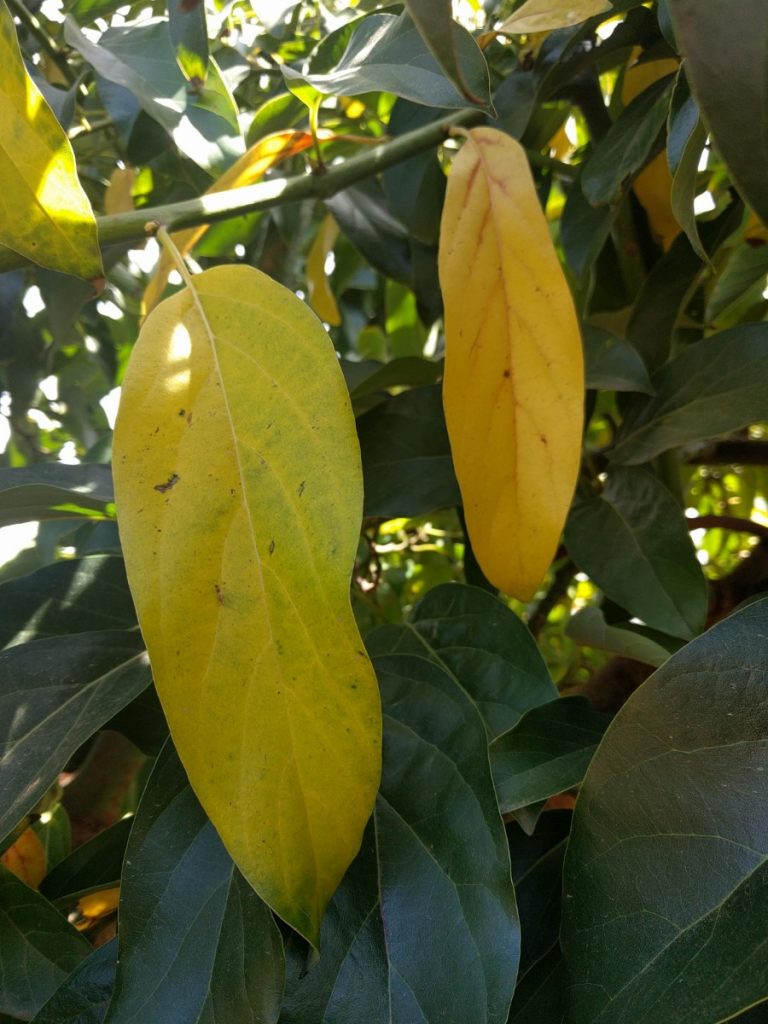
513, 388
546, 15
44, 214
239, 493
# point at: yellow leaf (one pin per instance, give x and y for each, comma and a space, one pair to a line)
239, 495
653, 186
545, 15
94, 906
118, 197
26, 858
247, 170
44, 214
514, 380
321, 297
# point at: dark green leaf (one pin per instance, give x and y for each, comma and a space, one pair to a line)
434, 21
724, 46
407, 467
142, 722
71, 596
584, 230
54, 491
613, 364
627, 145
745, 272
55, 834
387, 54
415, 188
668, 288
714, 386
666, 875
369, 376
632, 541
364, 216
481, 644
588, 627
189, 35
39, 948
82, 998
514, 101
547, 752
141, 58
55, 694
539, 998
424, 925
94, 865
686, 138
196, 942
537, 869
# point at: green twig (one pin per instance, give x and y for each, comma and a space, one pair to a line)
217, 206
33, 24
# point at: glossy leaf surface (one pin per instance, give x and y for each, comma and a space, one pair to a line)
82, 998
386, 52
724, 46
429, 900
55, 694
46, 215
633, 542
237, 470
547, 752
712, 387
511, 334
481, 644
54, 491
196, 943
545, 15
70, 596
406, 456
39, 948
677, 786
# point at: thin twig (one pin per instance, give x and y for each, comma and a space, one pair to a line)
33, 24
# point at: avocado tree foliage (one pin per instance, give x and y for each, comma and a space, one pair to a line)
403, 655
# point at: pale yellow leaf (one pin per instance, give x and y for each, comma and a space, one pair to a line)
247, 170
514, 380
545, 15
239, 495
44, 214
321, 297
118, 197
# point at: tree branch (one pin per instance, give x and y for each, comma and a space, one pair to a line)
736, 523
217, 206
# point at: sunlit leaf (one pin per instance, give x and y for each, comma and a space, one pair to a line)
514, 378
545, 15
321, 297
46, 216
439, 31
239, 493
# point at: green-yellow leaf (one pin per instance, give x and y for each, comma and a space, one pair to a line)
44, 214
513, 388
546, 15
239, 493
321, 297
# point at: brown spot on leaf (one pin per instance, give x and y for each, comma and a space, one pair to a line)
172, 480
302, 485
271, 547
